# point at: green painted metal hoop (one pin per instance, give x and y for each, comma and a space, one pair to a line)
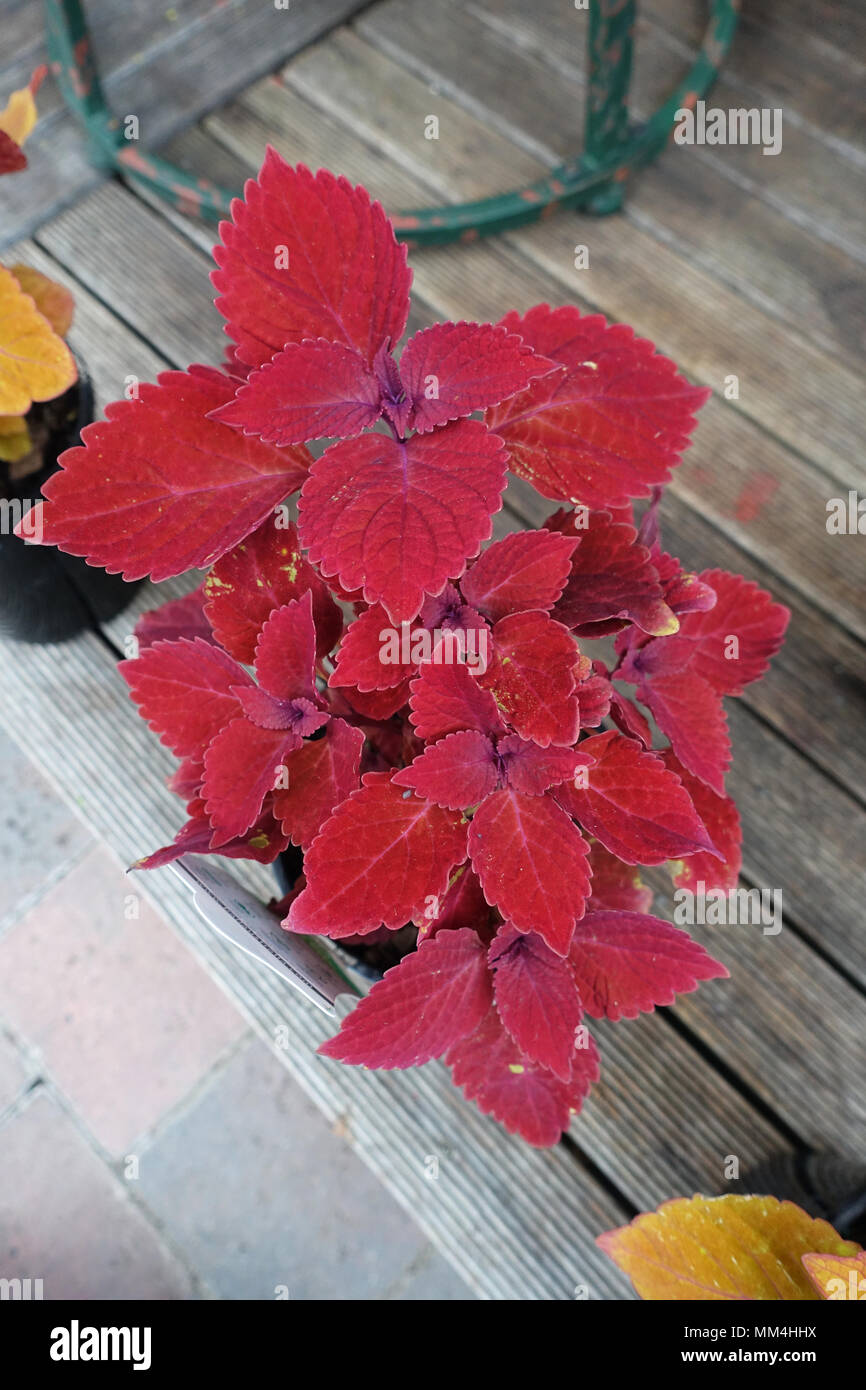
594, 181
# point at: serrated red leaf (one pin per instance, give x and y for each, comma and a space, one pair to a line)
286, 651
378, 861
721, 818
12, 157
359, 659
611, 426
626, 963
594, 696
532, 770
180, 617
432, 999
464, 905
377, 704
526, 1098
457, 772
321, 774
309, 256
241, 766
186, 690
531, 860
536, 998
262, 843
531, 677
690, 713
612, 576
400, 518
452, 369
448, 698
156, 488
311, 390
636, 806
526, 569
616, 887
264, 572
629, 719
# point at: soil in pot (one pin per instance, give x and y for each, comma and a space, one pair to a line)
46, 596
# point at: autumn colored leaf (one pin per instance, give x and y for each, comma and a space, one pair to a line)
463, 905
626, 963
242, 764
421, 1007
266, 570
157, 488
536, 998
285, 659
263, 842
448, 698
615, 886
610, 426
532, 864
452, 369
19, 115
187, 692
612, 576
400, 518
526, 1098
35, 364
12, 157
55, 302
531, 677
714, 1248
530, 769
311, 390
526, 569
320, 774
635, 805
837, 1277
458, 771
180, 617
309, 256
360, 657
379, 860
690, 713
721, 818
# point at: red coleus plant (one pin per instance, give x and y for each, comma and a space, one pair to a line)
450, 758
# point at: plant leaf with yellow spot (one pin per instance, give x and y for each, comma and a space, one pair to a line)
35, 364
54, 302
838, 1277
716, 1248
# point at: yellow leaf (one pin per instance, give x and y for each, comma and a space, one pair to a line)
18, 116
708, 1248
838, 1278
35, 364
52, 300
14, 438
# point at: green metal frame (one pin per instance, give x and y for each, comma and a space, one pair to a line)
594, 181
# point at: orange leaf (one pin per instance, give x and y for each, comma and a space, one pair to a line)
18, 116
35, 364
15, 439
838, 1277
732, 1247
52, 300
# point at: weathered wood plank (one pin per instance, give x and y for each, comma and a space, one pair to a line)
167, 74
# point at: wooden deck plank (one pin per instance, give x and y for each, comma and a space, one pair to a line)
167, 74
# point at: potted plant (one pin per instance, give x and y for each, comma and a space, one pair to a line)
411, 710
45, 399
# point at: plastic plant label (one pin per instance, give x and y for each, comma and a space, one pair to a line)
244, 921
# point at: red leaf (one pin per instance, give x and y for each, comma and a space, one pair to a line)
448, 698
594, 696
359, 660
456, 772
531, 861
728, 646
286, 651
451, 369
309, 256
185, 691
527, 1099
636, 806
629, 719
401, 518
536, 998
241, 767
378, 860
157, 488
12, 157
311, 390
180, 617
526, 569
610, 426
263, 843
424, 1005
377, 704
531, 769
625, 963
321, 774
464, 905
531, 677
690, 714
265, 571
615, 886
612, 576
721, 818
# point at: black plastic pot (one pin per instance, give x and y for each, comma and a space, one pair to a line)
369, 959
46, 596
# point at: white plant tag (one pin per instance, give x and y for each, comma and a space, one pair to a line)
244, 921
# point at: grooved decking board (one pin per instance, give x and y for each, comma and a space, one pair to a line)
165, 72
